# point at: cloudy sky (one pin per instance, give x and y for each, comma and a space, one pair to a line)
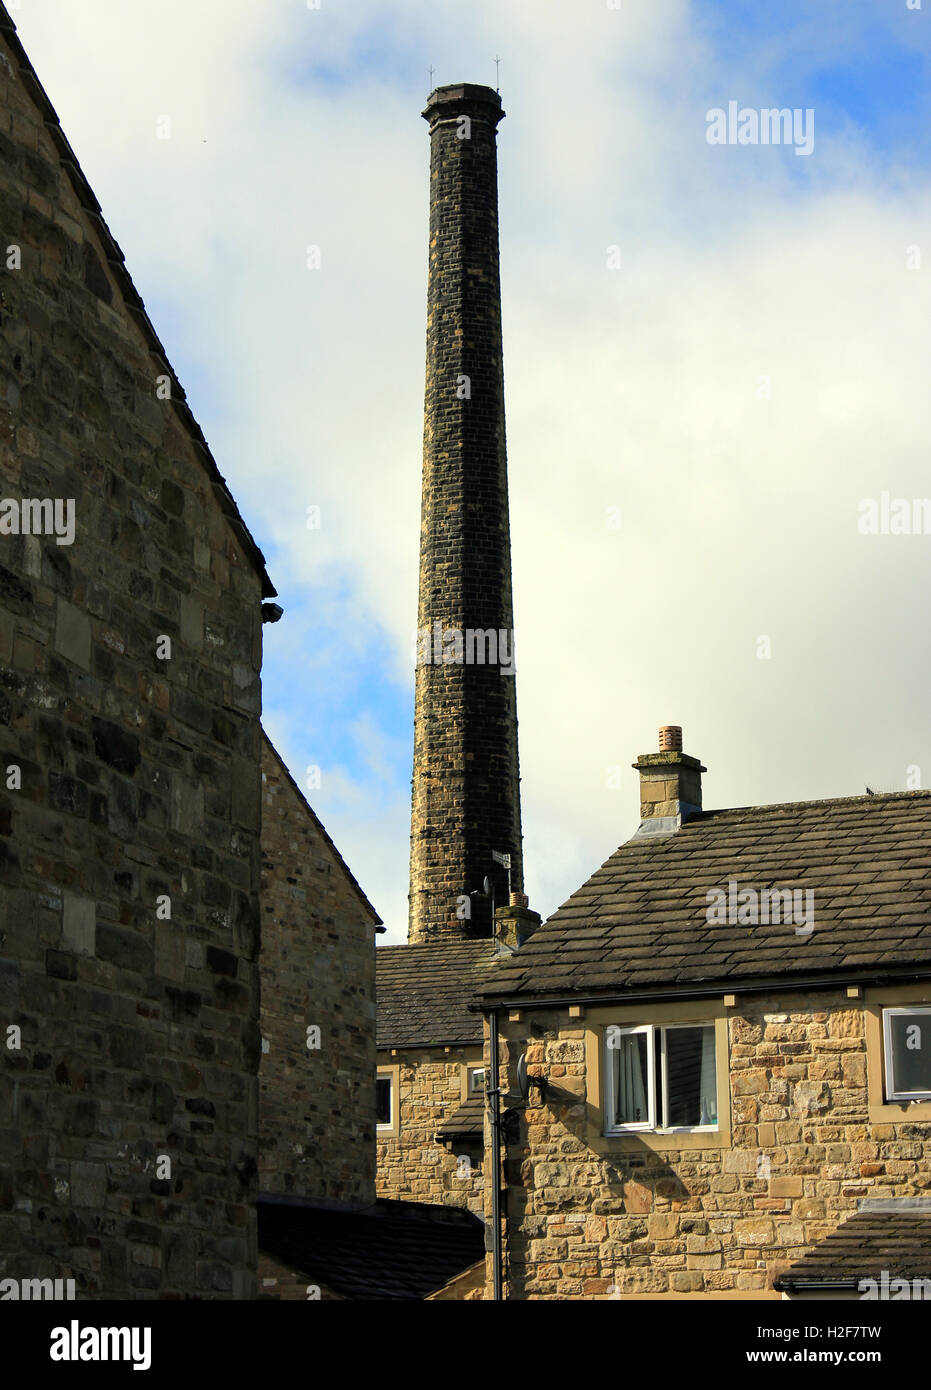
722, 348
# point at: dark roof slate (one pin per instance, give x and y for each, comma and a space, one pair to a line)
640, 920
423, 993
863, 1247
465, 1123
390, 1251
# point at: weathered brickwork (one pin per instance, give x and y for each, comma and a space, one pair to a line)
412, 1166
317, 1104
805, 1145
140, 778
465, 801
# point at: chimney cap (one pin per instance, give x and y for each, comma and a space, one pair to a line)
456, 94
670, 738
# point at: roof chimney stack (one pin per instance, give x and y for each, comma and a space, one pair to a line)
670, 785
514, 924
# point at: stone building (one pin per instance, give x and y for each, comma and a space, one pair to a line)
322, 1232
143, 815
431, 1076
131, 645
316, 1100
728, 1032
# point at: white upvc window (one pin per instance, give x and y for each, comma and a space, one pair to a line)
907, 1052
630, 1076
661, 1078
476, 1085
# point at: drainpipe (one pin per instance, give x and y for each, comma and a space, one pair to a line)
495, 1117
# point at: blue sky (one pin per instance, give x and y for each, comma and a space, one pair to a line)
637, 387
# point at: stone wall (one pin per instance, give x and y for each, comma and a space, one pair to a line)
806, 1143
412, 1166
131, 778
317, 1104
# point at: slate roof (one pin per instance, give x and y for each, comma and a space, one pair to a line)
640, 923
392, 1250
423, 993
862, 1247
467, 1122
131, 297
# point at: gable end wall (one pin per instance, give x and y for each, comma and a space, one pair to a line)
140, 780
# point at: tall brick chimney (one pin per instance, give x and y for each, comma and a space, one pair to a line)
670, 785
465, 799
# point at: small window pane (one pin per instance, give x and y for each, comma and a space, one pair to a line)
691, 1083
631, 1094
477, 1081
383, 1100
910, 1039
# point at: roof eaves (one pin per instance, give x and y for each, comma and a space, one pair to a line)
410, 1038
787, 1283
490, 1003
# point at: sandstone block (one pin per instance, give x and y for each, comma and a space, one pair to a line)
845, 1023
703, 1261
812, 1098
854, 1065
750, 1083
79, 922
637, 1198
786, 1187
73, 633
192, 622
755, 1230
88, 1184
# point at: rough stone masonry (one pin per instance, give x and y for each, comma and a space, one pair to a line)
465, 803
316, 1098
130, 766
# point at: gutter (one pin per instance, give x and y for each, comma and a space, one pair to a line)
777, 983
494, 1107
786, 1284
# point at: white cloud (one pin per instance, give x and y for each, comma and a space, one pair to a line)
636, 388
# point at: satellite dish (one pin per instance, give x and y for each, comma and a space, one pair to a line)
523, 1081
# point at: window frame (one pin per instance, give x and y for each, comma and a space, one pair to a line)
653, 1125
635, 1126
391, 1074
890, 1094
471, 1071
593, 1022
